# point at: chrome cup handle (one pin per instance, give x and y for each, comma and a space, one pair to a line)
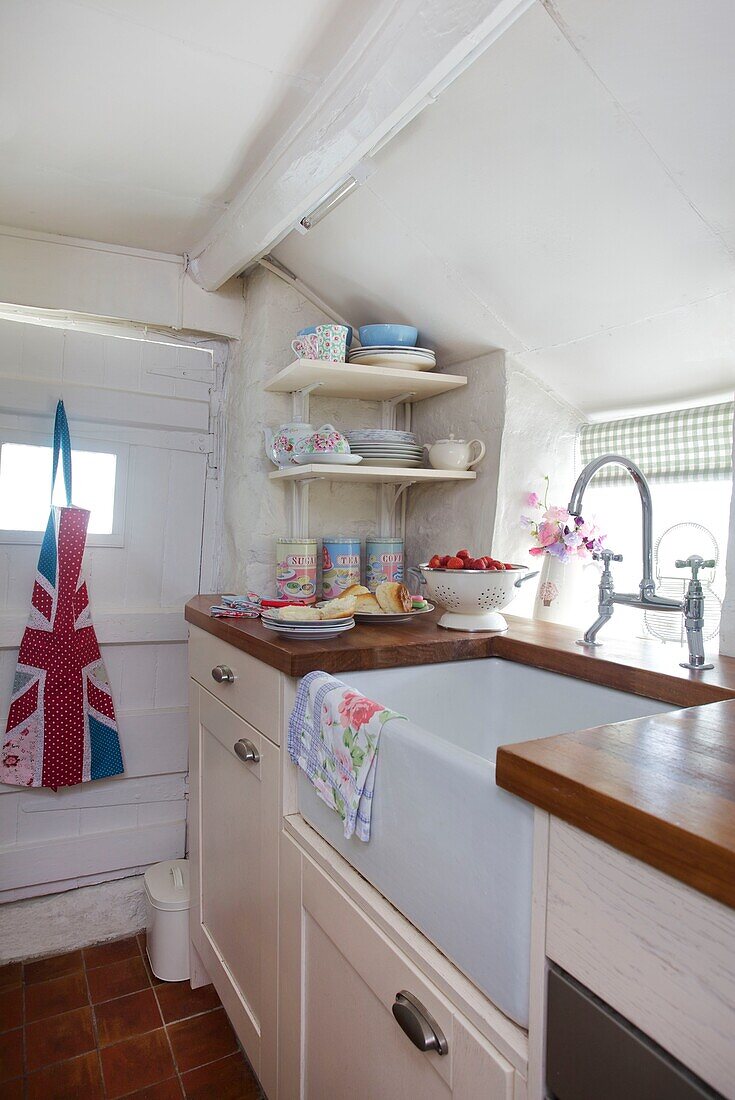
522, 580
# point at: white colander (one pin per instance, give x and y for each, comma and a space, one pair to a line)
473, 598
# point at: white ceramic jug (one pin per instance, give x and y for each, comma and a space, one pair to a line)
455, 454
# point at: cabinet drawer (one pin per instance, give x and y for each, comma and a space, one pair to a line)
350, 974
656, 951
254, 693
592, 1051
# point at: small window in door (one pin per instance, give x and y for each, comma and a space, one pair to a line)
25, 477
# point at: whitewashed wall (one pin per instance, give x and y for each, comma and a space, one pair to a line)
443, 518
153, 396
727, 623
255, 510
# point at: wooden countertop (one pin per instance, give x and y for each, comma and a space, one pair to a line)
660, 788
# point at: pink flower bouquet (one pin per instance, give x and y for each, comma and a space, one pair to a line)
558, 533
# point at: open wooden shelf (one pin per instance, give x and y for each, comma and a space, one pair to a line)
387, 475
364, 383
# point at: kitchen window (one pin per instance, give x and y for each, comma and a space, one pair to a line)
99, 483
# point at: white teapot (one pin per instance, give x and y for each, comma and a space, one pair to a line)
455, 454
283, 443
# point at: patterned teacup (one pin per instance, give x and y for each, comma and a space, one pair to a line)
306, 347
332, 342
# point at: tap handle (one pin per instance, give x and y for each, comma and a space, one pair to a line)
695, 562
606, 556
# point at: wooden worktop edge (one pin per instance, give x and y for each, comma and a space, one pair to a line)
696, 861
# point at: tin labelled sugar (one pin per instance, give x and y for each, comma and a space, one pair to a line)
340, 565
383, 561
296, 569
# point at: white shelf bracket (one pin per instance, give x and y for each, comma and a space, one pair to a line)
300, 507
388, 498
388, 408
300, 400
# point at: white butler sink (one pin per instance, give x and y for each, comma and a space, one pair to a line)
448, 848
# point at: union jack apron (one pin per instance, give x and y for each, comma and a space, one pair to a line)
61, 726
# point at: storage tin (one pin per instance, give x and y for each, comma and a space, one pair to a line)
383, 561
296, 569
340, 565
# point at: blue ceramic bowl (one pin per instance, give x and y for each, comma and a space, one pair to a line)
312, 328
394, 336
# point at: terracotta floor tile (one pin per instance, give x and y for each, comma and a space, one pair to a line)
127, 1016
136, 1063
14, 1090
60, 995
165, 1090
151, 976
59, 1038
11, 974
11, 1008
78, 1078
43, 970
178, 1000
228, 1079
104, 953
202, 1039
117, 979
11, 1054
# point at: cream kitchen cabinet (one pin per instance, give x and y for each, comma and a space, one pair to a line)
234, 822
339, 978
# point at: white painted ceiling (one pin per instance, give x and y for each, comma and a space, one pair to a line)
570, 198
135, 121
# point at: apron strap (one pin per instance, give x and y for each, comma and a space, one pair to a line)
62, 443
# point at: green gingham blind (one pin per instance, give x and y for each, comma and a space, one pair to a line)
681, 445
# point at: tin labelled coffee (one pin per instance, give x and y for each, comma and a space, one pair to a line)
296, 569
340, 565
383, 561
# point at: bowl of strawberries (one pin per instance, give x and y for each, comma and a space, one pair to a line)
472, 590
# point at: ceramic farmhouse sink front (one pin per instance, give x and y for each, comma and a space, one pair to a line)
448, 848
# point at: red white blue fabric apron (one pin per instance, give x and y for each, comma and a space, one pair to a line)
61, 726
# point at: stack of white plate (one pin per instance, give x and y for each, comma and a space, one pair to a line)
403, 358
317, 628
386, 447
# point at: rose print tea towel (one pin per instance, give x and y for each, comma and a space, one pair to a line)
61, 726
333, 736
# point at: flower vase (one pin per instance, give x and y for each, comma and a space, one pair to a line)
558, 596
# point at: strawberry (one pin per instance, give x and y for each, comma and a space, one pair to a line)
435, 562
474, 563
455, 563
444, 561
463, 554
499, 565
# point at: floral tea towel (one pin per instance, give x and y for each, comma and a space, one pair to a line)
333, 737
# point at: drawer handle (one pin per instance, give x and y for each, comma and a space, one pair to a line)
223, 674
247, 751
418, 1023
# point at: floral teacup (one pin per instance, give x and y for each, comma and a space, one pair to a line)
325, 440
306, 346
332, 342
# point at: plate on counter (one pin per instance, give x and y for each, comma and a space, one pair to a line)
392, 616
402, 463
327, 628
327, 459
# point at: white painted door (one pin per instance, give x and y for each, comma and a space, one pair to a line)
339, 975
234, 855
148, 400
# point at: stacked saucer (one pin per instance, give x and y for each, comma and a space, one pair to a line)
386, 447
403, 358
310, 629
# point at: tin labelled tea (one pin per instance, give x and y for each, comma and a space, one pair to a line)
340, 565
296, 569
384, 561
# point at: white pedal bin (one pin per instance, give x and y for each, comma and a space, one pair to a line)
167, 907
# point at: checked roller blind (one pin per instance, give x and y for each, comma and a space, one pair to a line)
681, 445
